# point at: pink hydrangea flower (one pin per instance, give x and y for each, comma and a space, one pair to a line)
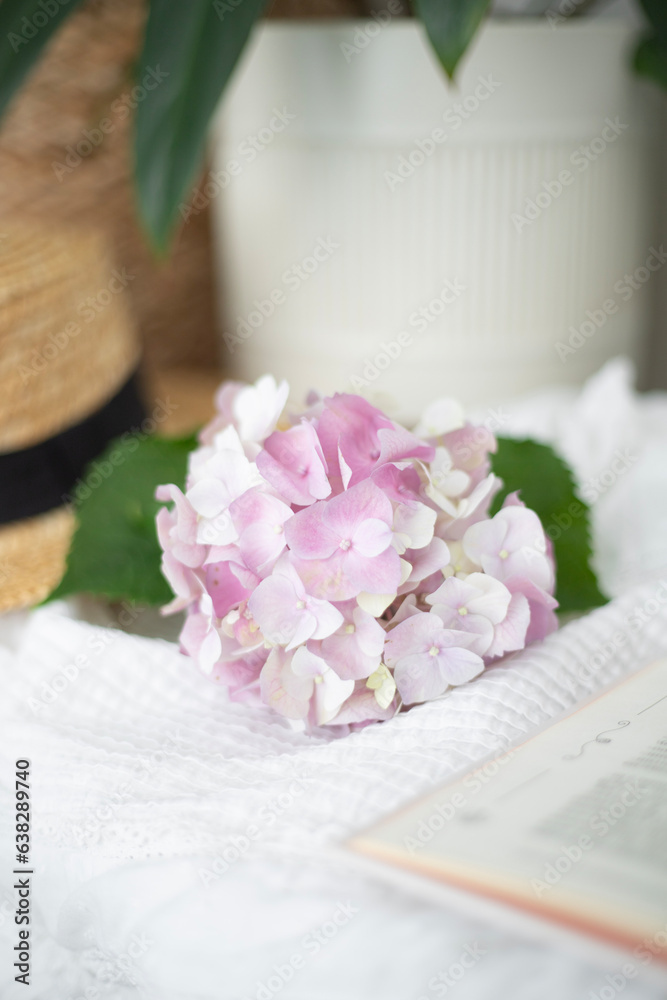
293, 463
259, 520
286, 614
200, 638
475, 605
221, 479
541, 606
181, 553
343, 546
355, 649
302, 683
224, 587
510, 544
362, 709
252, 410
337, 567
357, 438
428, 658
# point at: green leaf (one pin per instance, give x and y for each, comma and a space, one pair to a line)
651, 54
25, 28
651, 60
193, 46
546, 485
656, 14
451, 26
115, 551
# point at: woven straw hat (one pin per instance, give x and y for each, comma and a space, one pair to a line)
67, 347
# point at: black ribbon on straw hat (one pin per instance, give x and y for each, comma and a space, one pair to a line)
39, 478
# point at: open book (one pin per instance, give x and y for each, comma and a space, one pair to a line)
570, 827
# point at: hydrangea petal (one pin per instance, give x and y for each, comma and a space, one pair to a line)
510, 634
372, 537
293, 463
282, 689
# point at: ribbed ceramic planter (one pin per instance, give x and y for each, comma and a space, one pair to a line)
382, 232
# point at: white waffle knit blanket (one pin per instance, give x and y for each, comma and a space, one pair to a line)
178, 839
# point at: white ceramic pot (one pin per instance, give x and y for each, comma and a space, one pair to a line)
383, 232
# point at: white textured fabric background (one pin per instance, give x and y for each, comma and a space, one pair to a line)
144, 777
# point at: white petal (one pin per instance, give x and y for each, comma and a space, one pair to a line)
218, 530
208, 497
382, 683
257, 407
345, 470
375, 604
228, 440
209, 652
327, 616
440, 417
308, 664
416, 523
493, 599
330, 694
306, 624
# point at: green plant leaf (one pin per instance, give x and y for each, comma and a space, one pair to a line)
451, 26
115, 551
193, 46
546, 485
651, 54
25, 28
651, 60
656, 14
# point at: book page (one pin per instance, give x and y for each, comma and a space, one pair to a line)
571, 825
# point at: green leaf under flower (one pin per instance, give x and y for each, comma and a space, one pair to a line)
546, 485
115, 551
